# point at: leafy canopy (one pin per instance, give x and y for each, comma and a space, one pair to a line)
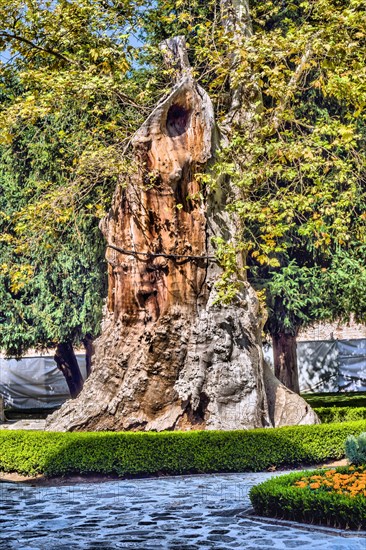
70, 99
74, 89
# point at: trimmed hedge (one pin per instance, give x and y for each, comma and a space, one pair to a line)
340, 414
148, 453
338, 399
278, 498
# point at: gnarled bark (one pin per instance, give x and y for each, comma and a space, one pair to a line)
169, 356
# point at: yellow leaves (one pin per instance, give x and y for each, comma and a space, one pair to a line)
318, 83
347, 135
265, 259
169, 18
94, 54
6, 238
99, 211
6, 137
184, 17
262, 259
273, 262
19, 275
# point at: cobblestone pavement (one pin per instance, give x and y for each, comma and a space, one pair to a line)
175, 513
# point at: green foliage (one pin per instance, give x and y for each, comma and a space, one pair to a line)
356, 449
229, 284
298, 168
52, 268
347, 399
303, 184
340, 414
291, 295
73, 90
68, 106
151, 453
279, 498
346, 280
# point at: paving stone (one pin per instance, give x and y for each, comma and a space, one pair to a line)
170, 513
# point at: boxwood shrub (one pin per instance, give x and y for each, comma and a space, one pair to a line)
280, 499
149, 453
337, 399
340, 414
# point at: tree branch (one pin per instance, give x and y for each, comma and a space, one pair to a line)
246, 101
291, 87
235, 17
55, 53
175, 56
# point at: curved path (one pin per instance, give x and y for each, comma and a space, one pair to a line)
175, 513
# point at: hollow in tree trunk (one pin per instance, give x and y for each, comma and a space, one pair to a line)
67, 363
285, 360
170, 356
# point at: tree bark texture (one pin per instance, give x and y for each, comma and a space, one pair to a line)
285, 360
171, 357
67, 363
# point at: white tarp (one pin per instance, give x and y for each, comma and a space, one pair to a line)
318, 364
352, 365
330, 365
34, 382
324, 366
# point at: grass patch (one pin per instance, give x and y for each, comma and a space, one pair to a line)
311, 501
147, 453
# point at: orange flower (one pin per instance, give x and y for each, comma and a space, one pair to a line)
301, 484
351, 484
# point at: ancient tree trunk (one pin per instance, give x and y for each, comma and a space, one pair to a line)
285, 360
67, 363
169, 356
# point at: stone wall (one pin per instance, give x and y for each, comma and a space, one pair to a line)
330, 331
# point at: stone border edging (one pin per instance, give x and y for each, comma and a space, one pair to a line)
305, 526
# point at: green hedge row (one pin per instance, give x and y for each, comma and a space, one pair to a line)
338, 399
278, 498
340, 414
147, 453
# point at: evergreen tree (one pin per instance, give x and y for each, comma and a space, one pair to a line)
64, 117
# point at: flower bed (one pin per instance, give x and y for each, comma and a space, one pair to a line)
336, 497
351, 482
